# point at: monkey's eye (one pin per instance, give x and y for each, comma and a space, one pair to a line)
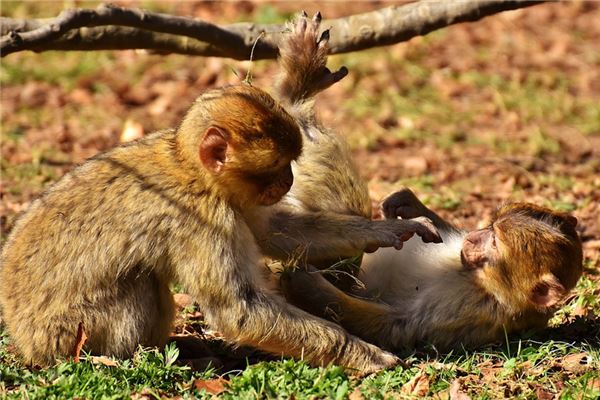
493, 240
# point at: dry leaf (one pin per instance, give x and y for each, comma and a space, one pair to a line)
183, 300
356, 395
79, 342
131, 131
104, 361
212, 386
144, 394
593, 385
543, 394
417, 386
456, 393
576, 363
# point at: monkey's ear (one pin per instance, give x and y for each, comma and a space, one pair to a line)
548, 291
213, 149
571, 221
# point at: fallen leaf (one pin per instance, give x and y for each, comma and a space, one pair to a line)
183, 300
79, 342
145, 394
104, 361
455, 391
593, 385
576, 363
417, 386
212, 386
356, 395
131, 131
543, 394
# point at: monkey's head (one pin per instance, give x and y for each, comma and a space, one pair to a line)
244, 141
528, 258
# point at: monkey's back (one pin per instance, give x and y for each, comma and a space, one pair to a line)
330, 175
80, 244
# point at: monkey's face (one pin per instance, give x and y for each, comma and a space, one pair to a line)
274, 186
529, 257
249, 146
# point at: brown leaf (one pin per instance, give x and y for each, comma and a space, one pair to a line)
212, 386
183, 300
543, 394
356, 395
456, 393
104, 361
131, 131
79, 342
575, 363
144, 394
593, 385
417, 386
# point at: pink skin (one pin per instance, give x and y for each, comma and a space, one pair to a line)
478, 247
277, 190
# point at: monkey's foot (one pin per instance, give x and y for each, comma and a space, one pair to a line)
304, 55
376, 360
404, 204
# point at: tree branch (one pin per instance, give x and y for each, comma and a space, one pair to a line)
112, 28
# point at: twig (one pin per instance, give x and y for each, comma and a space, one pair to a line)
109, 27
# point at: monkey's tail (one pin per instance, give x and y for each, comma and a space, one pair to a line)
303, 58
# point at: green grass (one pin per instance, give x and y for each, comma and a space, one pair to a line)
559, 362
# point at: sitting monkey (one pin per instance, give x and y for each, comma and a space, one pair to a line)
509, 276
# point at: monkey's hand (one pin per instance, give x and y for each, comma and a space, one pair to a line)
304, 56
404, 204
394, 232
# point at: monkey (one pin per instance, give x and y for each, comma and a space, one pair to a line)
468, 291
327, 183
326, 215
100, 247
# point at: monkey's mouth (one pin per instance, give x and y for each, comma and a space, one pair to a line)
472, 259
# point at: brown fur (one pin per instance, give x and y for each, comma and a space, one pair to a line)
326, 216
102, 244
425, 293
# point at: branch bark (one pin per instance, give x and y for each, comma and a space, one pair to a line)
117, 28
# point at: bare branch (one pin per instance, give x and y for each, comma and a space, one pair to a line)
109, 27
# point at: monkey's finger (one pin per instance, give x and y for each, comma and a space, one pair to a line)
425, 228
324, 38
301, 23
398, 244
340, 74
317, 18
371, 249
329, 78
406, 236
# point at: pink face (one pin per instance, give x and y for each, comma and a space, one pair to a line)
278, 187
479, 247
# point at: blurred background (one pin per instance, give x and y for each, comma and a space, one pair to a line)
470, 116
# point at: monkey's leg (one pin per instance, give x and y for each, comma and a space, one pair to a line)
137, 310
406, 205
141, 314
374, 322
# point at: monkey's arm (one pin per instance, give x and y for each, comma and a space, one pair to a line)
406, 205
234, 298
320, 236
